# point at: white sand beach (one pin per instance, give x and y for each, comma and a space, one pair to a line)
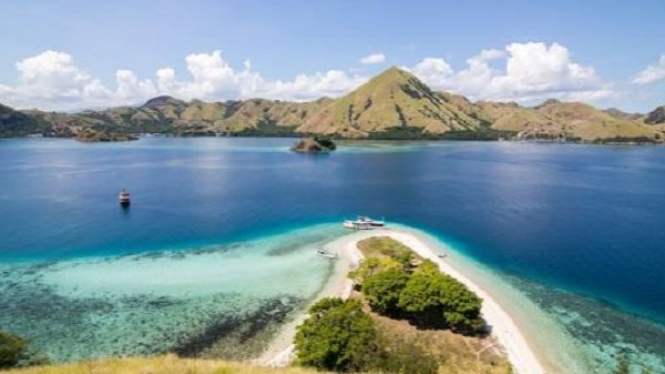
503, 328
281, 351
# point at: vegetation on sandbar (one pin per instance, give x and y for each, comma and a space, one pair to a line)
408, 318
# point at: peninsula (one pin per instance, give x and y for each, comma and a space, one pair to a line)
504, 331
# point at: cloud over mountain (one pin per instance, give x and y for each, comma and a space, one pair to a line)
52, 80
520, 72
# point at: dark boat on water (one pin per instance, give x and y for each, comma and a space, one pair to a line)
124, 198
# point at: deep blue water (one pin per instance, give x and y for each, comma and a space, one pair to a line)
586, 219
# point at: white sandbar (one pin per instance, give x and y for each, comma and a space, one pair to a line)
503, 328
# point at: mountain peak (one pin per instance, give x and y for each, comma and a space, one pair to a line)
394, 100
547, 103
393, 74
161, 101
392, 81
657, 116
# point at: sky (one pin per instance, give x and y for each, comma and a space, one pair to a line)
79, 54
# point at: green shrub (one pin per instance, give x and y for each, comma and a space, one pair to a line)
421, 297
434, 299
372, 266
462, 308
12, 349
337, 336
383, 290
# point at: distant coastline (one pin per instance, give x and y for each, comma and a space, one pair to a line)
457, 136
394, 105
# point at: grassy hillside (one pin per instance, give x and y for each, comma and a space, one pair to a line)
15, 123
158, 365
619, 114
588, 123
572, 121
172, 116
509, 116
393, 99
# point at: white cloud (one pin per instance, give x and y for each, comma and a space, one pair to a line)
130, 87
52, 81
531, 71
166, 79
306, 87
521, 72
652, 73
433, 69
374, 58
52, 76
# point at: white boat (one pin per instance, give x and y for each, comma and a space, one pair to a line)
364, 223
371, 222
325, 254
357, 225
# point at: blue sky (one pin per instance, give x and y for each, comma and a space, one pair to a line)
75, 54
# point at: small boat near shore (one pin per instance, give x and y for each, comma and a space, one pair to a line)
372, 222
325, 254
364, 223
124, 198
357, 225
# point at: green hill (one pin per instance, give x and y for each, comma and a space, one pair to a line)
393, 99
15, 123
578, 120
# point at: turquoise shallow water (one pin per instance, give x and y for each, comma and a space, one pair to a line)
166, 301
577, 229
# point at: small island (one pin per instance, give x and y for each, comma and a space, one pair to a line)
314, 145
104, 136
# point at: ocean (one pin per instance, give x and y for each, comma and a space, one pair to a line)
216, 250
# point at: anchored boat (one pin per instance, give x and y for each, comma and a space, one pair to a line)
325, 254
372, 222
124, 198
364, 223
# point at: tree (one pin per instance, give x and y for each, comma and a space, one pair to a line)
12, 349
421, 296
337, 336
383, 290
435, 299
461, 307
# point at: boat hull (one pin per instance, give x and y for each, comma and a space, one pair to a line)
355, 225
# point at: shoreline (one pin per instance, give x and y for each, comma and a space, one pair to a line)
281, 351
521, 356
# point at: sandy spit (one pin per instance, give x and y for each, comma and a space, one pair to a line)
282, 351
